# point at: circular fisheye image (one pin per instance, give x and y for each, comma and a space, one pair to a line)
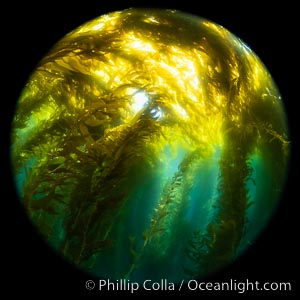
150, 144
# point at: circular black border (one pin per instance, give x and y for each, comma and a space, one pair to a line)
32, 28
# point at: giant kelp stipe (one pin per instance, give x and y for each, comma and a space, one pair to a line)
150, 144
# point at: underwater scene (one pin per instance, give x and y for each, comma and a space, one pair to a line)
150, 144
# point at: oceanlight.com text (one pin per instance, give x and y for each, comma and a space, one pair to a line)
191, 285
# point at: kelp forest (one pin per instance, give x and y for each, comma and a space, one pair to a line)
150, 144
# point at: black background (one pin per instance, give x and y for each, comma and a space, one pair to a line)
30, 266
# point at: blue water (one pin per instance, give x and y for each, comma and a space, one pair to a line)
23, 176
194, 208
144, 198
